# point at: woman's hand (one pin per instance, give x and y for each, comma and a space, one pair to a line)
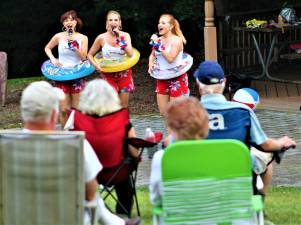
116, 31
154, 37
97, 68
56, 62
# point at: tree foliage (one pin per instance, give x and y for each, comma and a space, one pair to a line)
27, 26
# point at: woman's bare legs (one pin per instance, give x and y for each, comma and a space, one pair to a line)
162, 101
124, 99
74, 100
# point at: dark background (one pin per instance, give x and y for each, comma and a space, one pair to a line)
27, 26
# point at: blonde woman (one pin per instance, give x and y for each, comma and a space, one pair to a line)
114, 44
166, 62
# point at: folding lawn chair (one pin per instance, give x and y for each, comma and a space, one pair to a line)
108, 137
41, 178
208, 182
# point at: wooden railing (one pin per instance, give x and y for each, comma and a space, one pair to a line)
236, 50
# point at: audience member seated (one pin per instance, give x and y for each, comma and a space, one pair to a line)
39, 110
107, 125
231, 120
262, 161
187, 120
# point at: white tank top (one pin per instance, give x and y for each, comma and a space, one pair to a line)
163, 64
111, 52
67, 56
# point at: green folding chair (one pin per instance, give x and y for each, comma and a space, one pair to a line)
208, 182
41, 178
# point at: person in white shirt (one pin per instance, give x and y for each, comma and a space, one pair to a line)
187, 120
39, 109
167, 57
72, 50
114, 45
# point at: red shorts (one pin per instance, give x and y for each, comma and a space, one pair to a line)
122, 81
72, 86
174, 87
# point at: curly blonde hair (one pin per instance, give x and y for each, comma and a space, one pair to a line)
187, 118
98, 98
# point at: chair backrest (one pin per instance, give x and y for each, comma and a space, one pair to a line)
106, 134
206, 182
41, 178
234, 123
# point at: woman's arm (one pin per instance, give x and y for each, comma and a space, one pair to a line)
151, 61
176, 47
82, 52
129, 48
48, 49
97, 45
132, 150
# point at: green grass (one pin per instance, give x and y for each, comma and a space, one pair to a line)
282, 206
21, 82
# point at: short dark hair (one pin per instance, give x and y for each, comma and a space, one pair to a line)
73, 14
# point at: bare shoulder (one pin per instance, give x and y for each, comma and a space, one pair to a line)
58, 35
177, 40
100, 38
126, 34
83, 36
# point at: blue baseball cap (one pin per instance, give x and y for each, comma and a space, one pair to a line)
209, 72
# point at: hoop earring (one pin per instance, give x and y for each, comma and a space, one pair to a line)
64, 29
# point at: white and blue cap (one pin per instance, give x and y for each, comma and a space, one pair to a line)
247, 96
209, 72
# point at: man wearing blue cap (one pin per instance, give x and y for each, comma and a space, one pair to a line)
231, 120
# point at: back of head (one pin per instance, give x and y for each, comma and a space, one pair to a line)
247, 96
187, 118
98, 98
210, 77
38, 101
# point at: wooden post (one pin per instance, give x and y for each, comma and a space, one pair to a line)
3, 76
210, 32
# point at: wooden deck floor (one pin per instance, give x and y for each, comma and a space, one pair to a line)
278, 95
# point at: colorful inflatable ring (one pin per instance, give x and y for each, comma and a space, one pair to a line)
174, 71
111, 66
58, 73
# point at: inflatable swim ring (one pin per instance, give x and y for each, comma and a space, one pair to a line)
247, 96
111, 66
174, 71
57, 73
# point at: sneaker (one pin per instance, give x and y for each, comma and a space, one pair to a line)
134, 221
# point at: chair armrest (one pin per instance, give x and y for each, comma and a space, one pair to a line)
143, 143
90, 206
157, 210
257, 203
140, 143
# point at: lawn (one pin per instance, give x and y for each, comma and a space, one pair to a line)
282, 206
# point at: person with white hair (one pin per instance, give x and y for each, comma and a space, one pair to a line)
39, 109
106, 125
231, 120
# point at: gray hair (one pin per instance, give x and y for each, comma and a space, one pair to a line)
37, 102
210, 89
98, 98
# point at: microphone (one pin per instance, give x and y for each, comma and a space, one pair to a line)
115, 32
70, 32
